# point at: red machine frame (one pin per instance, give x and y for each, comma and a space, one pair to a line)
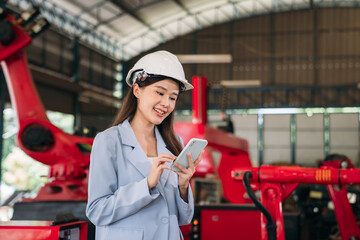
277, 183
39, 230
234, 150
68, 156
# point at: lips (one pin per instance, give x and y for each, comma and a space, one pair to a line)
159, 111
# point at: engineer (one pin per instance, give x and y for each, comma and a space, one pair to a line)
133, 194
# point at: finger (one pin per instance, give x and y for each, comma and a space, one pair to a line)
197, 161
158, 161
190, 160
159, 170
181, 167
193, 164
163, 160
182, 174
165, 155
162, 167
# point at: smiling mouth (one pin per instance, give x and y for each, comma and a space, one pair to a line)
159, 111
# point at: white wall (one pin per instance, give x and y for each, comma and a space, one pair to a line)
309, 136
246, 126
344, 135
277, 145
309, 139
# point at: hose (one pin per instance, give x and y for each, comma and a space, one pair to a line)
270, 225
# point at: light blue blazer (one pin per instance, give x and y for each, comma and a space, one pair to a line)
120, 204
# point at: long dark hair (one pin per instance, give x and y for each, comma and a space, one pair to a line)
129, 107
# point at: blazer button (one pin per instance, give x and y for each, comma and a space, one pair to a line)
165, 220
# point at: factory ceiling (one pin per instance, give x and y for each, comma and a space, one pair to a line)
125, 28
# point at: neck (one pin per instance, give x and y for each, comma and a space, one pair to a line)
142, 128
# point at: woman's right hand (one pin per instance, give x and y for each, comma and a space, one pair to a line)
157, 168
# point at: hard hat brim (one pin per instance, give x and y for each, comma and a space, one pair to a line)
187, 85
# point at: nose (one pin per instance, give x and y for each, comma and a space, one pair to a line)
165, 101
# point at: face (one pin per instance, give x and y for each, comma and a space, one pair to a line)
156, 101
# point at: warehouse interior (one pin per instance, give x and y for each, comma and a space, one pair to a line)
281, 80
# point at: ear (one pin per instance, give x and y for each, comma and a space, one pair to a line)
136, 90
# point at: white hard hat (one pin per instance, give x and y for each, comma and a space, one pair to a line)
161, 63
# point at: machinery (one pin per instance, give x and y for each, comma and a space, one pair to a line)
43, 230
238, 218
234, 150
276, 183
265, 220
68, 158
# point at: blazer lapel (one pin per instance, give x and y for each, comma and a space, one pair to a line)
161, 148
134, 153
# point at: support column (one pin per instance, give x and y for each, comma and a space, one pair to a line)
326, 133
75, 79
260, 138
293, 137
2, 106
199, 100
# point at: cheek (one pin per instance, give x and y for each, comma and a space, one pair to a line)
172, 105
142, 104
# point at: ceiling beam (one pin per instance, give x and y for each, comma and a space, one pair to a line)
89, 9
181, 4
133, 14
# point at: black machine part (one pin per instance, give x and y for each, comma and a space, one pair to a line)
6, 32
270, 225
37, 137
64, 218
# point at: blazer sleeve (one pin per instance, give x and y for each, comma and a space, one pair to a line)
108, 202
186, 210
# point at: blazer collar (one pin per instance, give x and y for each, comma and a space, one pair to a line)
137, 156
127, 134
128, 137
161, 146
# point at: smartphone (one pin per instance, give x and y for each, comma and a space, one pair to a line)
195, 146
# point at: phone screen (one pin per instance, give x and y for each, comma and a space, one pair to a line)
195, 146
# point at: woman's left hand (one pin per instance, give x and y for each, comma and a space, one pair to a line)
186, 173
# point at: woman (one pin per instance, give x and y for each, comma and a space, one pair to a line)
133, 194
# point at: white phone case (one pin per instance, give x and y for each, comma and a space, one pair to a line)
195, 146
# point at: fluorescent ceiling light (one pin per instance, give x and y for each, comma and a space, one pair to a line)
240, 83
204, 58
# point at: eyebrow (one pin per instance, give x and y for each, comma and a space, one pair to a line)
165, 89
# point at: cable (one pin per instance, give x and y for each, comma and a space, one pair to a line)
270, 225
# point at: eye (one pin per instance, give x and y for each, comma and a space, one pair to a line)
159, 93
172, 98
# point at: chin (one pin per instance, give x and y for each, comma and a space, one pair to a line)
158, 121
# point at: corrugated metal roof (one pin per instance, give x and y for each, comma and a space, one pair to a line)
126, 28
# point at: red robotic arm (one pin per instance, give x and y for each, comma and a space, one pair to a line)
68, 156
276, 183
234, 150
